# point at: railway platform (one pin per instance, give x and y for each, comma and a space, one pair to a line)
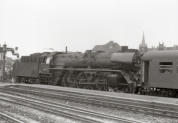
154, 99
6, 83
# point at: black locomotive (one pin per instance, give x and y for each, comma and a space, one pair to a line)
91, 70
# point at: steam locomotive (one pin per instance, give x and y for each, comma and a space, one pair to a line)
151, 73
92, 70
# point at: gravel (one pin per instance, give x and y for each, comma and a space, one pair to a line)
35, 116
145, 118
29, 115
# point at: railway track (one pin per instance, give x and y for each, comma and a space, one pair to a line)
64, 110
46, 108
127, 104
9, 119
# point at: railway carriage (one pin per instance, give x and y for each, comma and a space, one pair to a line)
160, 72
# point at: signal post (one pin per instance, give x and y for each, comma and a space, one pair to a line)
3, 51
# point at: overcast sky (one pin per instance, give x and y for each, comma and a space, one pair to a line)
37, 25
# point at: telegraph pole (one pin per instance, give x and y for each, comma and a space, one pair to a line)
3, 50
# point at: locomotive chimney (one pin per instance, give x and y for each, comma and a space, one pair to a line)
66, 49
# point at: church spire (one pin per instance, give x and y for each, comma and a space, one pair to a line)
143, 45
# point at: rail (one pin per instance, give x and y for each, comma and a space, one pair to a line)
135, 105
60, 109
9, 118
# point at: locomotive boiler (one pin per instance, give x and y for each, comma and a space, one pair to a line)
96, 70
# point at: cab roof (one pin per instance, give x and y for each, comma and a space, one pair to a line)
160, 54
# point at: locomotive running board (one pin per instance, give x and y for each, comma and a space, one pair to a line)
85, 69
124, 74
